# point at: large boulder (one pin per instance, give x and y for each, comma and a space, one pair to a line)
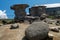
37, 31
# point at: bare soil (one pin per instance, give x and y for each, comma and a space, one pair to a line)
17, 34
12, 34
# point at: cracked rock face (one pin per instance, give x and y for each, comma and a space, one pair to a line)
37, 31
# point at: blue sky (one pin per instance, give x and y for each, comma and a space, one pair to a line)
5, 4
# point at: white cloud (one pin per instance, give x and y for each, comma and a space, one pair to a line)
3, 14
50, 5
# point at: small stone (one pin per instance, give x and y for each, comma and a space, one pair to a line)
14, 26
59, 28
55, 29
50, 36
43, 16
58, 23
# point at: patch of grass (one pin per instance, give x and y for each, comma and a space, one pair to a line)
52, 17
6, 20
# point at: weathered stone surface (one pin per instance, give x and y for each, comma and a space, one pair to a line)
54, 29
1, 24
4, 22
59, 28
58, 23
47, 20
50, 21
14, 26
43, 16
50, 36
20, 12
37, 31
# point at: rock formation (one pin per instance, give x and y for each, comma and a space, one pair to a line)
37, 31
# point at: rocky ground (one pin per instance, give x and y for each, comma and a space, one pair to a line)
17, 34
12, 34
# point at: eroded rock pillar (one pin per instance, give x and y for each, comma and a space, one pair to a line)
37, 10
19, 10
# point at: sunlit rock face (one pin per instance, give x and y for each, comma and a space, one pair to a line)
19, 10
3, 14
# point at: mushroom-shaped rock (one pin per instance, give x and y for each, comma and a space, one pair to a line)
19, 11
19, 6
37, 31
